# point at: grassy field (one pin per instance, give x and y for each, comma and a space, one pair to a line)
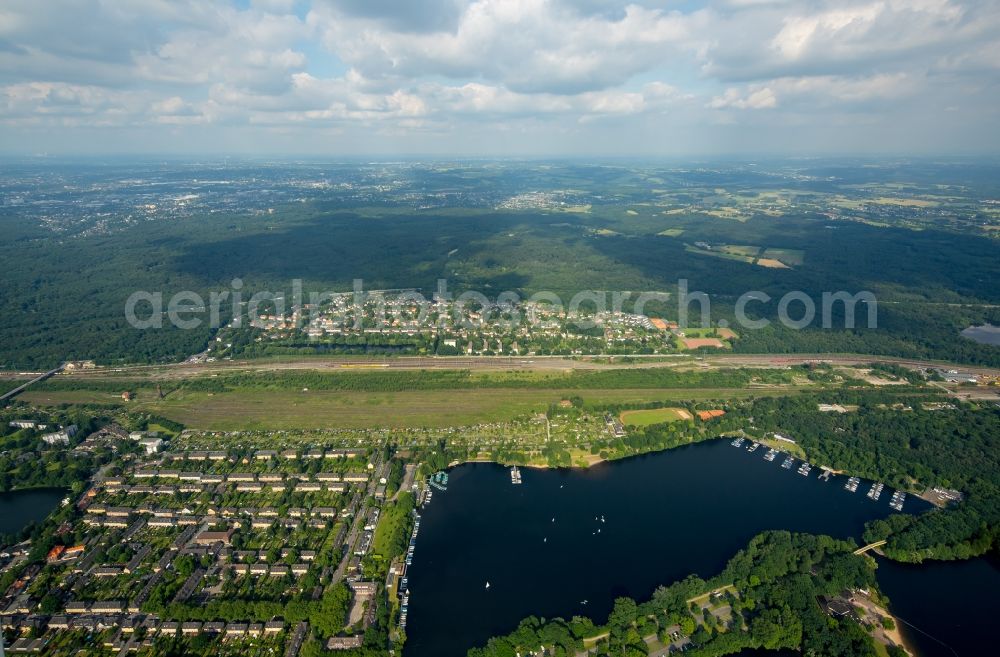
390, 531
645, 417
7, 384
716, 253
790, 257
742, 250
317, 409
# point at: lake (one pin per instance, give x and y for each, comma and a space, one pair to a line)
949, 607
621, 528
985, 334
20, 507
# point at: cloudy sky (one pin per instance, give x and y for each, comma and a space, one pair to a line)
500, 77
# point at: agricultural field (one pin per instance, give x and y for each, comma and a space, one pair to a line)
771, 258
787, 257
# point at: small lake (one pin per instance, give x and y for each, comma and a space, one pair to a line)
622, 528
949, 607
985, 334
20, 507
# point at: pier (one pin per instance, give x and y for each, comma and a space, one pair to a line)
439, 480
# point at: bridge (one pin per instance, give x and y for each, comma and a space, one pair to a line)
41, 377
870, 546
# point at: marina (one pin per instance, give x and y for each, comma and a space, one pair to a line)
439, 480
403, 590
524, 539
805, 468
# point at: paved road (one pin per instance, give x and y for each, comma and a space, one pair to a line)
295, 641
409, 475
358, 523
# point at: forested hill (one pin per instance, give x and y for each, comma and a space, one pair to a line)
65, 285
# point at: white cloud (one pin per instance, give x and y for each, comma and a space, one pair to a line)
526, 45
600, 67
760, 98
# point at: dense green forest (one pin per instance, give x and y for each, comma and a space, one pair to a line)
65, 300
776, 582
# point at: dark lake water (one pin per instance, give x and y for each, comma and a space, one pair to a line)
20, 507
985, 334
544, 550
949, 607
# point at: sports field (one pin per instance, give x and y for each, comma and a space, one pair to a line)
645, 417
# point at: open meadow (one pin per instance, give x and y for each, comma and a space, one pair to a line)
314, 409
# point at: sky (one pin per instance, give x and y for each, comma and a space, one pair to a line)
500, 77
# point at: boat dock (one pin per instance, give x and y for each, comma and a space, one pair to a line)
826, 474
404, 610
515, 475
439, 480
403, 590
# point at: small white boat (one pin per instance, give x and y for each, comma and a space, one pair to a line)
487, 586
